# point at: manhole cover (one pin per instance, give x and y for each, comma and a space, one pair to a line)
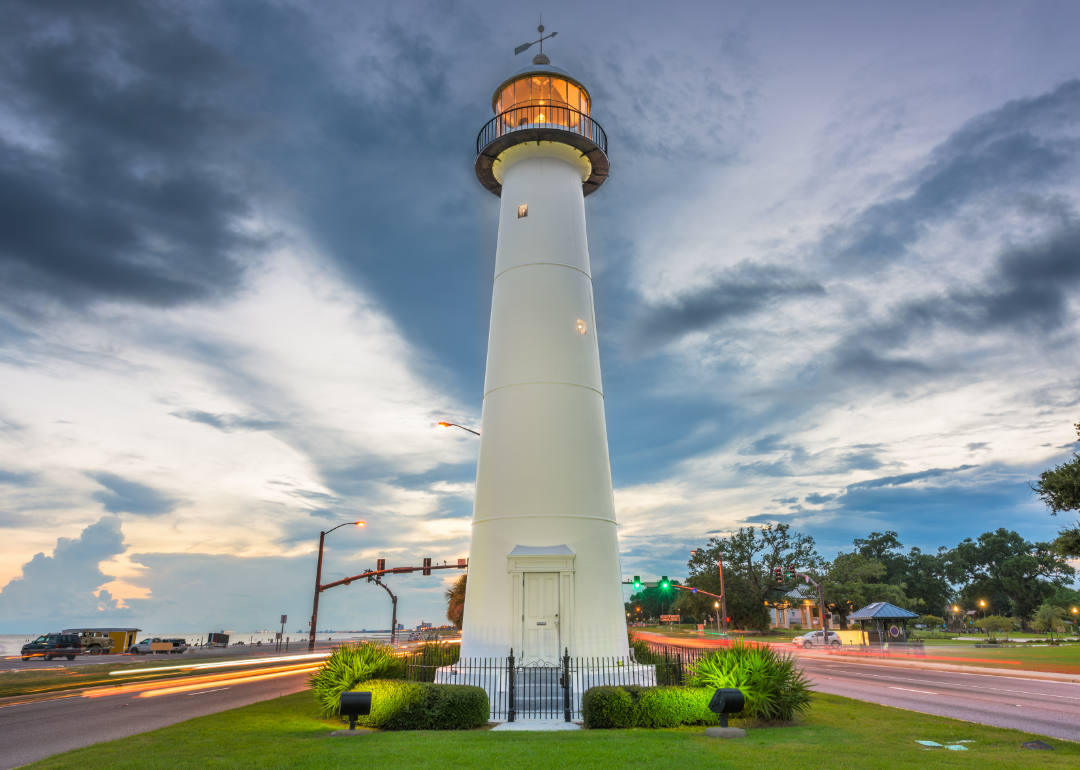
1037, 745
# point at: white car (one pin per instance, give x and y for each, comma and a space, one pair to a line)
814, 639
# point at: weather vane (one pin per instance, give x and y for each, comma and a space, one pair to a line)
539, 29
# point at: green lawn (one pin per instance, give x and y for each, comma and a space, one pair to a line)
839, 733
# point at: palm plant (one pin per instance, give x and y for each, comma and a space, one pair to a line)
773, 687
349, 666
455, 601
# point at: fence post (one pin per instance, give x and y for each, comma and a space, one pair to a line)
566, 684
510, 706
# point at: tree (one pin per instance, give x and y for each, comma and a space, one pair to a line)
455, 601
1004, 569
751, 556
1049, 618
854, 580
1059, 489
925, 580
931, 621
994, 623
885, 549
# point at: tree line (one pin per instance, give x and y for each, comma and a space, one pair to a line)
998, 573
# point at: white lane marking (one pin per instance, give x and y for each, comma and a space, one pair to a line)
203, 692
905, 689
975, 687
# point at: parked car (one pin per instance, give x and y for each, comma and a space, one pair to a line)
814, 639
49, 646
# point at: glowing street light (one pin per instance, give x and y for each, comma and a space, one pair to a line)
318, 581
455, 425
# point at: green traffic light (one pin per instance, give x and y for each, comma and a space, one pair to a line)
663, 581
637, 581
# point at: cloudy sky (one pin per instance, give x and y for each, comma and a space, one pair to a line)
245, 267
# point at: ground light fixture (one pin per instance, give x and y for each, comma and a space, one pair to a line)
727, 700
353, 705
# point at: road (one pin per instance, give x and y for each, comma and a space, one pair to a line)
1035, 706
33, 731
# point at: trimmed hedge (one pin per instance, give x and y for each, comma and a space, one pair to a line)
399, 705
625, 706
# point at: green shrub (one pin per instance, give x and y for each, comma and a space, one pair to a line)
639, 648
399, 705
348, 666
773, 687
674, 706
625, 706
608, 707
425, 660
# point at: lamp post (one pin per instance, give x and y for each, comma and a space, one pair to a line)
716, 606
455, 425
318, 583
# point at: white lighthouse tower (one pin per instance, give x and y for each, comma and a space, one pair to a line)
544, 573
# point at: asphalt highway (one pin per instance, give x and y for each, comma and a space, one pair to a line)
1031, 705
33, 731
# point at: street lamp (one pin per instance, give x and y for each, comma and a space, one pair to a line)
982, 604
723, 597
455, 425
716, 605
318, 583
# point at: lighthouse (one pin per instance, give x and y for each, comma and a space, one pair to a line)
544, 572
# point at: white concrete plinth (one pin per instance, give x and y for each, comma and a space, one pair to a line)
539, 725
725, 732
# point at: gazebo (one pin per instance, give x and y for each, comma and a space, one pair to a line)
883, 623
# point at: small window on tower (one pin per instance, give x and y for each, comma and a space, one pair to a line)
523, 210
581, 327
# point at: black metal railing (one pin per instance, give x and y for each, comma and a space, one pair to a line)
549, 690
533, 116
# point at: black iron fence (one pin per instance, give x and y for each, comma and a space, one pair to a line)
541, 116
549, 690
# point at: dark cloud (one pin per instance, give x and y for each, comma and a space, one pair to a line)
816, 498
229, 423
128, 189
973, 446
737, 292
797, 461
64, 586
123, 496
907, 478
1031, 290
1013, 148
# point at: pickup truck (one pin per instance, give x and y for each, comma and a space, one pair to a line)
157, 646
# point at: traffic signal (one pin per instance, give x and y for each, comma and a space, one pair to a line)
663, 581
779, 576
427, 566
381, 565
791, 572
637, 581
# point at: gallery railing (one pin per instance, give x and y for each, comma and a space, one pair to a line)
541, 116
548, 690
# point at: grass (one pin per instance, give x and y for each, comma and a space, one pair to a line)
838, 733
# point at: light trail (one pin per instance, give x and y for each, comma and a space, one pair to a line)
244, 679
222, 664
199, 681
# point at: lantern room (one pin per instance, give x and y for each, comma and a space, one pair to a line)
542, 106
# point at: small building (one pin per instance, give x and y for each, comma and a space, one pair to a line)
882, 623
799, 607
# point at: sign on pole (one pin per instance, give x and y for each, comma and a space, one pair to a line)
284, 619
669, 618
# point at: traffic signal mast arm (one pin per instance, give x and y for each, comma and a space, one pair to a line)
821, 603
691, 589
392, 571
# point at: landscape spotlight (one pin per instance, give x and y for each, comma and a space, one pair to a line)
353, 705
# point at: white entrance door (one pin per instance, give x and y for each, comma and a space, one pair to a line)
541, 618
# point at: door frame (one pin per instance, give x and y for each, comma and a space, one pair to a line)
559, 559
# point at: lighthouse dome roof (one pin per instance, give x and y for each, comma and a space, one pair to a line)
535, 70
